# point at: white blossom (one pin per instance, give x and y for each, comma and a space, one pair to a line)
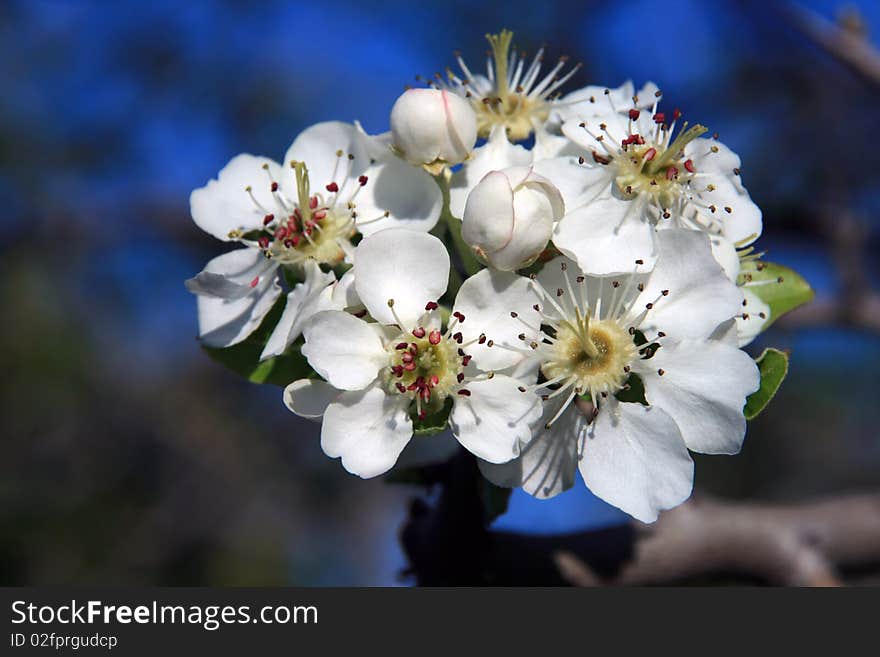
509, 217
598, 341
639, 173
432, 128
337, 181
513, 93
380, 376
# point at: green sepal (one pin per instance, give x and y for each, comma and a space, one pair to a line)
433, 423
773, 366
781, 288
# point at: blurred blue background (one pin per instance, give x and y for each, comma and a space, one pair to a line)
129, 457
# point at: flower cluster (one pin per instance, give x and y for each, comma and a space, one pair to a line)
576, 305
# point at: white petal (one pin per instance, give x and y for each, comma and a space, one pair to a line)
748, 327
305, 300
344, 292
234, 293
486, 300
409, 267
562, 273
410, 196
343, 349
703, 388
547, 464
579, 184
635, 459
497, 153
742, 224
700, 295
594, 101
309, 398
725, 254
317, 147
224, 205
606, 237
495, 419
367, 429
491, 201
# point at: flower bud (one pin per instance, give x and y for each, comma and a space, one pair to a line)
509, 217
433, 127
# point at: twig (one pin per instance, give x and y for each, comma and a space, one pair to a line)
845, 45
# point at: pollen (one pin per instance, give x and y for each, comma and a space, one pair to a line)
594, 356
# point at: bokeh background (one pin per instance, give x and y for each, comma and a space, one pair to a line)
128, 456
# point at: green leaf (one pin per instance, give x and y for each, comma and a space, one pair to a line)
495, 499
773, 365
781, 288
433, 423
244, 357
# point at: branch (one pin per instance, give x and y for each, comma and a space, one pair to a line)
803, 545
846, 44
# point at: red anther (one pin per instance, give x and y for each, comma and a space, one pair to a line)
482, 339
289, 243
362, 180
274, 186
671, 173
414, 349
320, 214
281, 233
434, 337
423, 414
412, 386
676, 114
297, 214
397, 370
650, 153
431, 305
409, 367
419, 332
255, 281
659, 117
689, 165
400, 387
263, 242
420, 382
268, 219
633, 139
332, 188
458, 337
434, 380
460, 377
295, 240
464, 392
634, 114
458, 316
407, 357
313, 202
466, 359
401, 345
